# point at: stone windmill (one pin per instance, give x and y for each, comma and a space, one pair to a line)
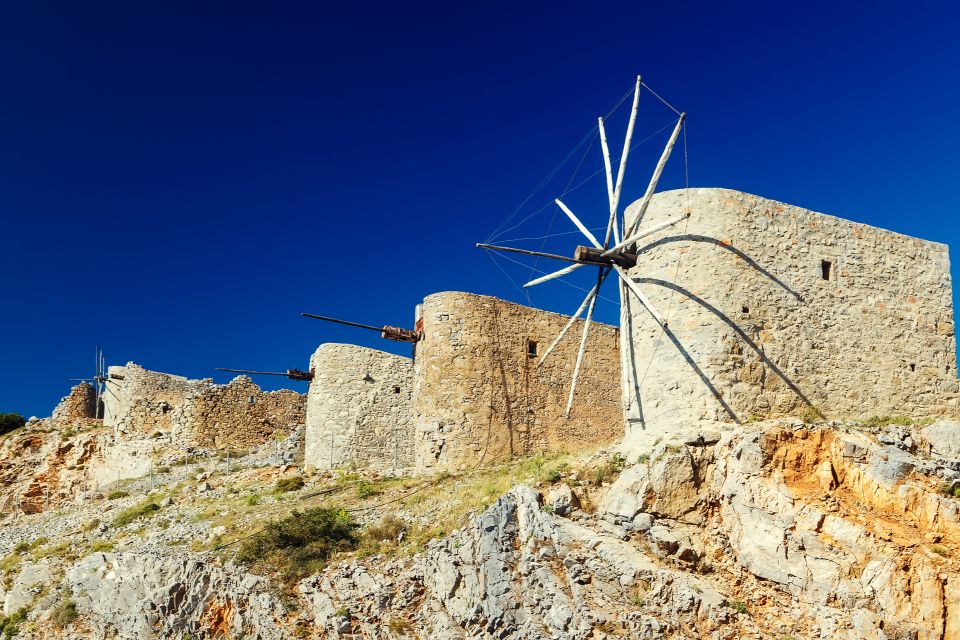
99, 381
616, 253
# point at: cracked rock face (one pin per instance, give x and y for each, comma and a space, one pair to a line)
159, 595
773, 531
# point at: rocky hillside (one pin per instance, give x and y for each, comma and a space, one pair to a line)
772, 530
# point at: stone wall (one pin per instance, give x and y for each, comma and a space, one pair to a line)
359, 409
238, 414
78, 407
479, 396
773, 308
139, 402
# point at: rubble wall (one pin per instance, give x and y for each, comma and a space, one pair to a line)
139, 402
79, 406
359, 409
779, 308
238, 414
480, 397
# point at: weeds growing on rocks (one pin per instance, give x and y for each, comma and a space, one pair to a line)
298, 545
142, 510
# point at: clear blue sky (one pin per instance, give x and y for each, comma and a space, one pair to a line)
179, 181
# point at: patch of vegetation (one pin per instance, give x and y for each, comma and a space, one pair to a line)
11, 421
400, 626
101, 546
812, 415
60, 550
343, 612
10, 625
643, 458
232, 454
116, 494
64, 613
293, 483
300, 544
163, 469
949, 489
252, 500
367, 489
90, 526
878, 422
738, 606
609, 470
940, 550
142, 510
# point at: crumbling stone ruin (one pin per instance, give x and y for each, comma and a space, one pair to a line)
139, 403
776, 310
79, 406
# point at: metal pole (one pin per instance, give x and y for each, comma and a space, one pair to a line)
526, 252
346, 322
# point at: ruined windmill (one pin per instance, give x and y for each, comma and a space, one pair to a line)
606, 257
99, 381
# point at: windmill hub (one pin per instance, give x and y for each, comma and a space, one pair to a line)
595, 256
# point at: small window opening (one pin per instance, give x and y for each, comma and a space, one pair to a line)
913, 367
826, 267
396, 389
746, 309
531, 348
253, 400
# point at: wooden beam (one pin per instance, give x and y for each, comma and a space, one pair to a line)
580, 225
643, 234
652, 187
599, 257
590, 296
555, 274
635, 290
583, 344
626, 148
612, 223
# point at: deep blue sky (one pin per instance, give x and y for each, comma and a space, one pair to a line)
178, 182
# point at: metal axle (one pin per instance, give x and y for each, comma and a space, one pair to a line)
387, 332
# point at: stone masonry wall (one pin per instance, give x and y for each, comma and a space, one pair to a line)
139, 402
480, 397
238, 414
79, 406
359, 409
777, 308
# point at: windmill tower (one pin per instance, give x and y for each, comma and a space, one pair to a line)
615, 254
99, 381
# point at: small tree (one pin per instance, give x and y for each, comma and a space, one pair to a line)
10, 421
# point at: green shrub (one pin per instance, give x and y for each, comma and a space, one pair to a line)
387, 530
10, 625
163, 469
144, 509
253, 500
812, 415
294, 483
644, 458
301, 543
367, 489
738, 606
64, 613
10, 421
101, 546
116, 494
